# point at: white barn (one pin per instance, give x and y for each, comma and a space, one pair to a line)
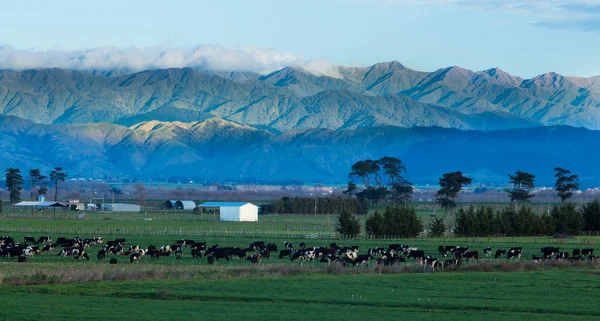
234, 211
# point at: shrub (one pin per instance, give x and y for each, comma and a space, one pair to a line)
395, 221
567, 219
591, 215
437, 228
348, 224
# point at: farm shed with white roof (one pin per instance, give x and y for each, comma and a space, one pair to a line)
234, 211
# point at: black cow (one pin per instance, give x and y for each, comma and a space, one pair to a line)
284, 253
587, 252
101, 255
258, 246
471, 255
549, 251
576, 252
500, 253
514, 252
44, 240
272, 247
210, 258
302, 245
415, 254
362, 259
112, 261
197, 253
121, 242
30, 239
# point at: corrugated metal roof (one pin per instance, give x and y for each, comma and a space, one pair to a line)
40, 204
186, 205
224, 204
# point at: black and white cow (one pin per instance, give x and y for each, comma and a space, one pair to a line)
135, 257
255, 258
472, 255
101, 255
587, 252
500, 253
30, 239
487, 251
44, 240
514, 252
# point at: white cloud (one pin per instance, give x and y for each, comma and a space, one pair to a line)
136, 59
577, 14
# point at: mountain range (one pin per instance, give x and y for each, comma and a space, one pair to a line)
219, 150
295, 125
292, 98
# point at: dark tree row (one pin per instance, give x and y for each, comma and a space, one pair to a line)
310, 205
394, 221
522, 221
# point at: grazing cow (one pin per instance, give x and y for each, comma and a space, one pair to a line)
362, 259
576, 252
576, 258
487, 251
254, 258
376, 251
121, 242
500, 253
587, 252
134, 248
284, 253
451, 263
287, 245
272, 247
30, 239
210, 258
101, 255
197, 253
302, 245
22, 259
471, 255
537, 259
97, 240
165, 248
443, 250
257, 246
44, 240
514, 252
266, 254
562, 255
549, 251
48, 247
137, 257
428, 262
80, 254
112, 261
397, 248
178, 254
415, 254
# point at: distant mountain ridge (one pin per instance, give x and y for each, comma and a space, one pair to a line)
385, 94
220, 150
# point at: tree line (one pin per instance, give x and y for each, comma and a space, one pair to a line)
38, 182
310, 205
483, 221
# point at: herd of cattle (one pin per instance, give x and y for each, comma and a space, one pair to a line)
256, 252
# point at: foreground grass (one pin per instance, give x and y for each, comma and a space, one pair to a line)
541, 295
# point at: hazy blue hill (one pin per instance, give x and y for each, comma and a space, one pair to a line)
219, 149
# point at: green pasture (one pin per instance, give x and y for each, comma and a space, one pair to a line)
545, 295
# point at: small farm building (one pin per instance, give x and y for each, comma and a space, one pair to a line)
180, 205
119, 207
234, 211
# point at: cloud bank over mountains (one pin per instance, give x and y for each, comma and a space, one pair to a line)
132, 59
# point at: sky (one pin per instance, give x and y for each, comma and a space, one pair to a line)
523, 37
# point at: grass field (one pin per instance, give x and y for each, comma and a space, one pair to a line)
58, 288
548, 295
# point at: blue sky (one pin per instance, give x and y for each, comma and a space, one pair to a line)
525, 38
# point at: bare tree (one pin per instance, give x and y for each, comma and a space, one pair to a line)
140, 192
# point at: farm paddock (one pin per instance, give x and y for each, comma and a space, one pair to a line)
56, 288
